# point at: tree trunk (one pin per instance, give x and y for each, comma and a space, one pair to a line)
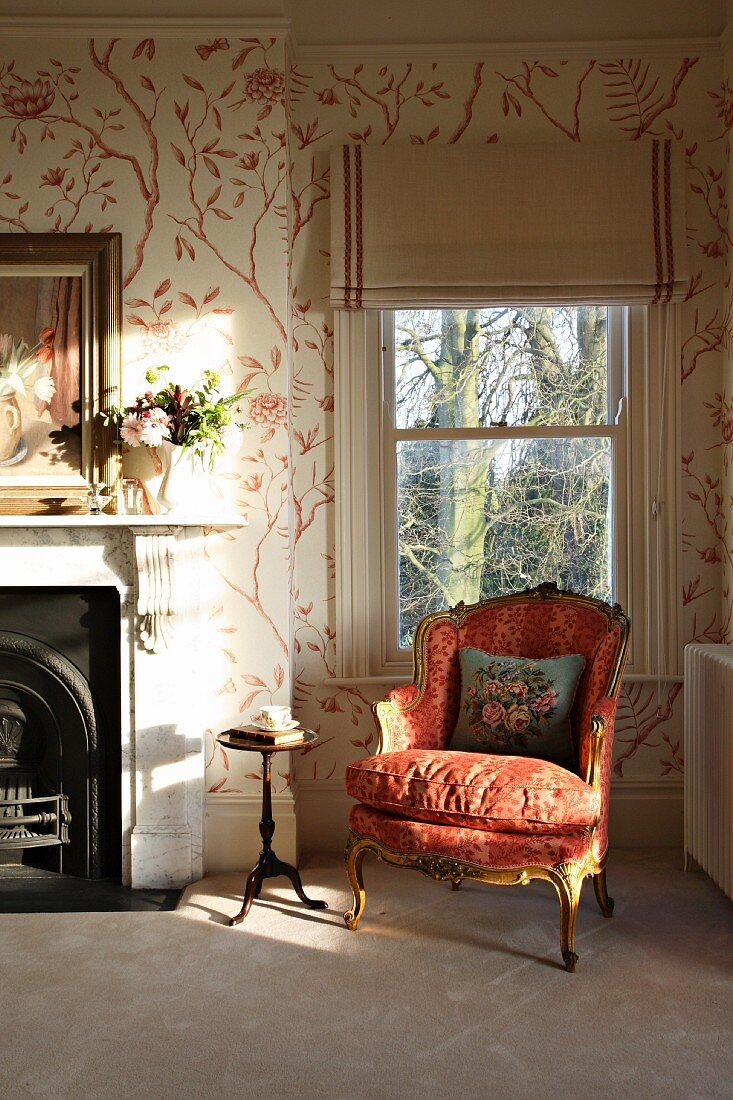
464, 463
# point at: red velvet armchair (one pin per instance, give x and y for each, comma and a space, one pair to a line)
493, 818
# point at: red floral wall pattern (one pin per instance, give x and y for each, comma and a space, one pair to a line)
584, 99
211, 158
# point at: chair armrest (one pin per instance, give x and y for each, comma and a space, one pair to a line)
602, 718
387, 714
416, 717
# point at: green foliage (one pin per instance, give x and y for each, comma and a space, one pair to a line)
197, 418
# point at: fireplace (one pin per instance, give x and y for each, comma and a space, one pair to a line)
151, 567
60, 759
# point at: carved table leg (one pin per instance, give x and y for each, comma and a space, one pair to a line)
268, 865
293, 874
251, 890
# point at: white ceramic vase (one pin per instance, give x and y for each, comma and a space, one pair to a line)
184, 481
11, 427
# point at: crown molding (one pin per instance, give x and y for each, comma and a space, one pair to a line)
496, 51
74, 26
20, 26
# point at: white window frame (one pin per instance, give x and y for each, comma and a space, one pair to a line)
646, 446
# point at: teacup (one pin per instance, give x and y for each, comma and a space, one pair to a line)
275, 717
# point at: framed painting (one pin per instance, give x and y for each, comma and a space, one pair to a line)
59, 369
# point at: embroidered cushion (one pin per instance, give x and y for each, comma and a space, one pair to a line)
510, 794
517, 705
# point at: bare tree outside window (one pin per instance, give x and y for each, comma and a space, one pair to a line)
503, 456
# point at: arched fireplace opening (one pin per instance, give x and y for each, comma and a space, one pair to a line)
59, 748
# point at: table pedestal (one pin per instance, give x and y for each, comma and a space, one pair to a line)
268, 865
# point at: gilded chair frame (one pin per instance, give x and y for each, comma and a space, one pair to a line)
567, 878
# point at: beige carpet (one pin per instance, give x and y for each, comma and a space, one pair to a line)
439, 994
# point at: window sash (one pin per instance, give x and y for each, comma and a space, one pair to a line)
614, 429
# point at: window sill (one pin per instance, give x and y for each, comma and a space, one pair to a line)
365, 681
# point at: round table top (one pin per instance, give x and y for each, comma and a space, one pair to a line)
241, 742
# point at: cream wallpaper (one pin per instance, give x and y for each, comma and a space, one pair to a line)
582, 99
210, 156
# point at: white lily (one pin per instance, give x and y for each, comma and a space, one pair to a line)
18, 363
45, 388
13, 383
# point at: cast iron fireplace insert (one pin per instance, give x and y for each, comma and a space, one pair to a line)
60, 732
60, 754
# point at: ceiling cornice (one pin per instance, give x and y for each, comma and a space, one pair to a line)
487, 51
74, 26
205, 27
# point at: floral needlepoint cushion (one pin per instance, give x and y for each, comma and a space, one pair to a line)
517, 705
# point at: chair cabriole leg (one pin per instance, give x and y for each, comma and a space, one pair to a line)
605, 903
568, 885
354, 860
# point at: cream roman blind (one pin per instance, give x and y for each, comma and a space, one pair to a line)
491, 224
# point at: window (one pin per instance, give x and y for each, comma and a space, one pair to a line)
500, 438
496, 448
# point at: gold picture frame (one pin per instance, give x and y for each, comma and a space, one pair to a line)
60, 366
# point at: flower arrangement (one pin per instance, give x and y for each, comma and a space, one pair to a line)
20, 364
195, 419
503, 710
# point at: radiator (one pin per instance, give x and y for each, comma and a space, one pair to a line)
709, 760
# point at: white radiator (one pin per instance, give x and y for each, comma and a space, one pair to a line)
709, 760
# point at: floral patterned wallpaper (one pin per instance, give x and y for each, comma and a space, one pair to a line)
519, 100
211, 158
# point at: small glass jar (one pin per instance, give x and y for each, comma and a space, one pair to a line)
97, 499
130, 497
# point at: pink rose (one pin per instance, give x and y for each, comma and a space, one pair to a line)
492, 714
154, 427
495, 687
546, 702
517, 719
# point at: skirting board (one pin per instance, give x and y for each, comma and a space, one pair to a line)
647, 813
644, 813
232, 837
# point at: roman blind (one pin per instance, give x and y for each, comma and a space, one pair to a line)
493, 224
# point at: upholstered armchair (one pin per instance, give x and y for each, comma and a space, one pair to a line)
504, 819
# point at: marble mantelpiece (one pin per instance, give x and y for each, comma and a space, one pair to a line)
154, 563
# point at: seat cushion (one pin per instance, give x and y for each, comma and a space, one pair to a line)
517, 705
498, 851
510, 794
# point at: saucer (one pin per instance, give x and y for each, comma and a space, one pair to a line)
291, 725
18, 454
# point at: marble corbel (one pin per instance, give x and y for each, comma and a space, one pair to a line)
155, 559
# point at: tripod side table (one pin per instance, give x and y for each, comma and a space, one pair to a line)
268, 865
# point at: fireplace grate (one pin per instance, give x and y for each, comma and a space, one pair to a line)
27, 821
